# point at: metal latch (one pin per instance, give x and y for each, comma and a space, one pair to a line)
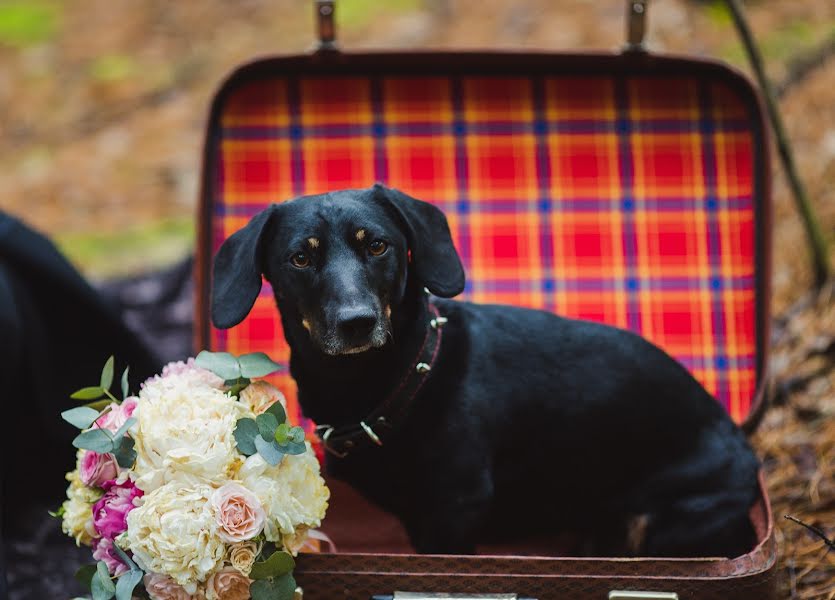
637, 595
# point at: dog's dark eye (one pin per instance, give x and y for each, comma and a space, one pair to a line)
300, 260
377, 247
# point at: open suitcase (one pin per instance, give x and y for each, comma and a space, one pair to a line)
628, 188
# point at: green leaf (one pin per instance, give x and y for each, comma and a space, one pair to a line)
126, 583
102, 586
277, 411
257, 364
297, 435
245, 432
275, 588
88, 393
267, 424
81, 417
236, 386
97, 440
117, 437
125, 384
280, 563
58, 514
84, 575
107, 374
125, 558
282, 433
269, 450
292, 448
125, 454
222, 364
99, 405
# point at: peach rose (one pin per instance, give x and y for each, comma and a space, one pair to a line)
259, 395
238, 513
162, 587
242, 555
227, 584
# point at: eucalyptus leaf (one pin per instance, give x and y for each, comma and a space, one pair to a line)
257, 364
125, 558
269, 450
84, 575
245, 432
267, 424
125, 383
282, 433
279, 563
99, 405
292, 448
277, 410
101, 585
125, 454
123, 429
222, 364
126, 584
107, 374
275, 588
88, 393
236, 386
97, 440
297, 435
81, 417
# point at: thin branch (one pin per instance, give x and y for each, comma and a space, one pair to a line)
813, 529
817, 243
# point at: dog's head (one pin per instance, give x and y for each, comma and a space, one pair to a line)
339, 264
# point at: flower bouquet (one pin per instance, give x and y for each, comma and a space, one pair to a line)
196, 487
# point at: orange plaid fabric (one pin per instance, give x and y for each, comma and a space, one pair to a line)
617, 199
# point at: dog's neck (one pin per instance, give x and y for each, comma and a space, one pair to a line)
339, 390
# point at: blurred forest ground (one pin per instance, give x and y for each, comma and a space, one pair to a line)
103, 102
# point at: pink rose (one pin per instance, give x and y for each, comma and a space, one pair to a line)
260, 395
110, 513
118, 414
238, 513
227, 584
189, 370
162, 587
104, 551
97, 468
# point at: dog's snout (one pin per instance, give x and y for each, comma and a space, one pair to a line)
356, 323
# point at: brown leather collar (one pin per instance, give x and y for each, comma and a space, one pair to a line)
393, 411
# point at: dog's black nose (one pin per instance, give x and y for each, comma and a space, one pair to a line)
355, 324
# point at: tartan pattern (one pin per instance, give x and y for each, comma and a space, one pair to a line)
623, 200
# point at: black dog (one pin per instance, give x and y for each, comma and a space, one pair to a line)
477, 421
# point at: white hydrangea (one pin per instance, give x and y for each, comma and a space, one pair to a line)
173, 532
185, 432
293, 494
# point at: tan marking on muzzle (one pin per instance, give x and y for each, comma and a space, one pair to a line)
314, 242
388, 311
360, 235
306, 324
636, 534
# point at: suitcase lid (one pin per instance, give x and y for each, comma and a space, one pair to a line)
631, 189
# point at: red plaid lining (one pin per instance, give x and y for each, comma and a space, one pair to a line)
627, 201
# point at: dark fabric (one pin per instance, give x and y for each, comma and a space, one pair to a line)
56, 332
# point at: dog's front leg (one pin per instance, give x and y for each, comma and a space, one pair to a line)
450, 510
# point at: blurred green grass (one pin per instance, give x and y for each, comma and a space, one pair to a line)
104, 255
28, 23
359, 13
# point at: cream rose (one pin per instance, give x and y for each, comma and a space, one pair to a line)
242, 555
259, 395
227, 584
173, 532
77, 521
238, 513
162, 587
185, 433
293, 493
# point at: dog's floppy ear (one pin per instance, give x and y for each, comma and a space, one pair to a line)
236, 275
434, 259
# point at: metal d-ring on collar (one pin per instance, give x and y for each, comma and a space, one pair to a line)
340, 440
